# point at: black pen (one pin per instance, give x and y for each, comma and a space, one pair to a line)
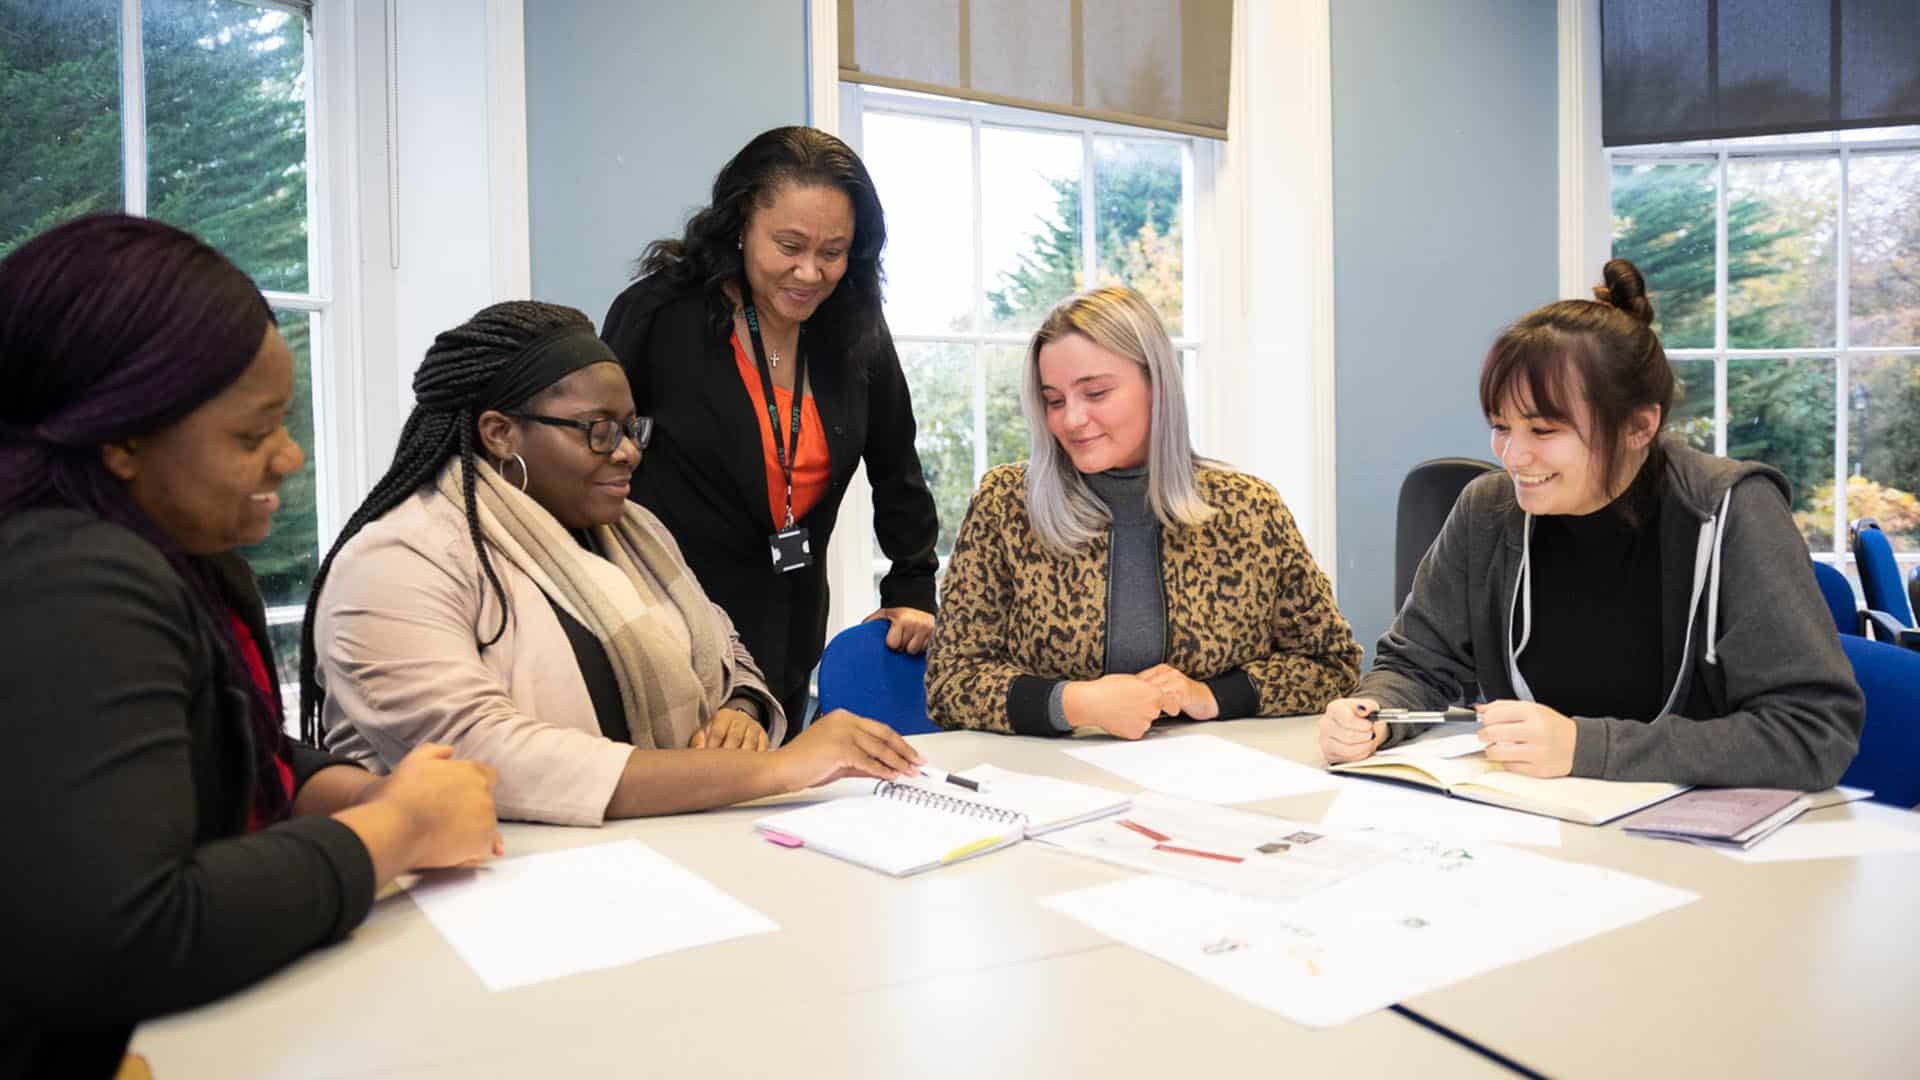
1410, 716
942, 775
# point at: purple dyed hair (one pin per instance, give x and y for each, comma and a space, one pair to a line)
113, 327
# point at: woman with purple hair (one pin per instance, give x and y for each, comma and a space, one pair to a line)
169, 844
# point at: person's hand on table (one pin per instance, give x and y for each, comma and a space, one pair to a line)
841, 744
1193, 698
1348, 731
1527, 737
1121, 705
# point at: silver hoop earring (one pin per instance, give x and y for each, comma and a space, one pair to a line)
523, 470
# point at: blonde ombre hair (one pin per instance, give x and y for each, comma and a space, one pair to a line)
1065, 514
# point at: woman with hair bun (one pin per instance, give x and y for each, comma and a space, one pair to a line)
1118, 578
756, 342
1630, 608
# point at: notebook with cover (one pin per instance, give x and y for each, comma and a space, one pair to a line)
906, 826
1442, 764
1721, 817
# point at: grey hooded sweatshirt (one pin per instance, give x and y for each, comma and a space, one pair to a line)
1760, 693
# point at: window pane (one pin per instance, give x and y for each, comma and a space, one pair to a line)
1692, 417
923, 170
285, 638
1883, 236
1006, 422
1782, 253
1140, 218
285, 561
1030, 223
227, 131
1663, 220
1883, 445
59, 115
941, 378
1781, 412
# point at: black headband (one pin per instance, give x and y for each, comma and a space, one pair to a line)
546, 360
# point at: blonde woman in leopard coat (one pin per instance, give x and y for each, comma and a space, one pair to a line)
1116, 578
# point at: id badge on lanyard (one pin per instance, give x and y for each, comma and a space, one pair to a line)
790, 545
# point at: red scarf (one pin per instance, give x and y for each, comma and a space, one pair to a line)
282, 771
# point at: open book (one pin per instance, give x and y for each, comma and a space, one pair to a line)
1455, 766
906, 826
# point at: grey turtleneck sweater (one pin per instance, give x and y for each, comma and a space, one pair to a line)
1136, 591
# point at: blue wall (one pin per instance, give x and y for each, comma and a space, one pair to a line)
1445, 187
631, 109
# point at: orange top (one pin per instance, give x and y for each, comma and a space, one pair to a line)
812, 464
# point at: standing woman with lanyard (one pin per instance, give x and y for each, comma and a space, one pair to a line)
757, 344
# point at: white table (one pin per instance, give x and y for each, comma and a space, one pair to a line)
1788, 968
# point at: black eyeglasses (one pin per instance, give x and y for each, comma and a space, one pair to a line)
603, 436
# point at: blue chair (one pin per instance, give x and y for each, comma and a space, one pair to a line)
1888, 611
860, 674
1889, 759
1839, 596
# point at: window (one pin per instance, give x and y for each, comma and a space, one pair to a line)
994, 215
1785, 275
198, 113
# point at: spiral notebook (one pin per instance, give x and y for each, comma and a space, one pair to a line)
906, 826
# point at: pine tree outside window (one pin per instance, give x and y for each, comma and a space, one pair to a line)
994, 215
1785, 272
198, 113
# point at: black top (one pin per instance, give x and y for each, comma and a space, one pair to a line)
704, 474
133, 888
1596, 578
603, 686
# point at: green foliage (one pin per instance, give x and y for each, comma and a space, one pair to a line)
227, 159
1780, 412
1137, 186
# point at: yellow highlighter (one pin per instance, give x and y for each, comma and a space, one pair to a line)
974, 848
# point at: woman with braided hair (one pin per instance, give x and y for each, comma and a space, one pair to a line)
498, 591
167, 843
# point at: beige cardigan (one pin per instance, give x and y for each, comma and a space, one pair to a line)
396, 636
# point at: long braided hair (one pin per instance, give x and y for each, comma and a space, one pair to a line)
443, 425
113, 327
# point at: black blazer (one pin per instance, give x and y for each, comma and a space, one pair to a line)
133, 887
704, 474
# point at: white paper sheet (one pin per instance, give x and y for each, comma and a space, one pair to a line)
1204, 768
1438, 746
1430, 918
539, 917
1828, 840
1242, 852
1372, 804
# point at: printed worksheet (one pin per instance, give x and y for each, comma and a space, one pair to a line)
1431, 916
1252, 854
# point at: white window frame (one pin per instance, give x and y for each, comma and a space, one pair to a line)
1720, 154
857, 101
322, 298
1586, 212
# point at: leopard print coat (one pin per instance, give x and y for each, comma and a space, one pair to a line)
1242, 593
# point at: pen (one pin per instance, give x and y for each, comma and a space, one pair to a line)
942, 776
1413, 716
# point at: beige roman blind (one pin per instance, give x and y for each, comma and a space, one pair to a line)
1153, 63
